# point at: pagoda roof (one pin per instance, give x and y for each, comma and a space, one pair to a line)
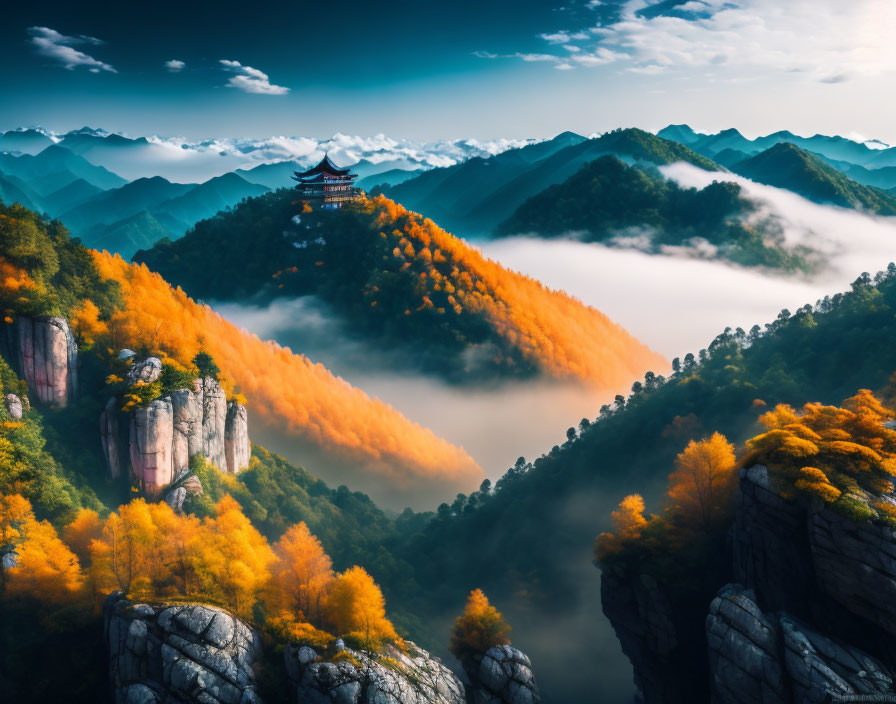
324, 167
322, 177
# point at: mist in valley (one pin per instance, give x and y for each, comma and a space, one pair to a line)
674, 303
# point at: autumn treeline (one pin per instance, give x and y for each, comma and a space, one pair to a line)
550, 329
844, 456
285, 390
154, 554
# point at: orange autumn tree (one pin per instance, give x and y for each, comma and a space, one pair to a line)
844, 455
235, 557
301, 576
357, 610
704, 477
479, 628
84, 528
44, 567
628, 522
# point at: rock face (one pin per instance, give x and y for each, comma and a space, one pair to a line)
812, 618
47, 359
774, 658
393, 677
182, 654
152, 445
237, 449
214, 422
645, 623
164, 435
503, 675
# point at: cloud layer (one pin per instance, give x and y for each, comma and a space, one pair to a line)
59, 47
827, 40
251, 80
174, 66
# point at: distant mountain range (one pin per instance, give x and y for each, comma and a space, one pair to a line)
474, 197
869, 165
184, 160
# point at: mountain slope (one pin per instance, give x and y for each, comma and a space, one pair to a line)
126, 236
56, 167
473, 197
12, 190
207, 198
119, 203
787, 166
292, 400
607, 199
399, 282
71, 195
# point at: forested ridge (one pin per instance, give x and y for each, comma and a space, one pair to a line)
611, 202
401, 282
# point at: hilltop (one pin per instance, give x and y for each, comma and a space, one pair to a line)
610, 202
402, 283
787, 166
475, 196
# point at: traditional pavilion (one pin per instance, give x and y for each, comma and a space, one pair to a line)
326, 185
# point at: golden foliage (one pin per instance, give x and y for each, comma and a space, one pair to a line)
704, 477
356, 608
827, 451
285, 390
479, 628
550, 328
85, 319
628, 522
44, 566
302, 574
84, 528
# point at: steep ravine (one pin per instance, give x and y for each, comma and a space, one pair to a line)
807, 617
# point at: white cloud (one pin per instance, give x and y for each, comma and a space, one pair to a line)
251, 80
827, 41
59, 47
175, 66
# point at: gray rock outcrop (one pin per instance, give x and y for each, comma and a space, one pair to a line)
14, 407
179, 654
145, 371
773, 658
237, 449
503, 675
358, 677
47, 358
164, 435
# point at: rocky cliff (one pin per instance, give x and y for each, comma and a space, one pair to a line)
808, 618
157, 440
502, 675
179, 654
42, 351
394, 676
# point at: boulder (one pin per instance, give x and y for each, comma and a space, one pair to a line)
146, 371
184, 487
14, 407
237, 449
395, 676
48, 359
191, 654
151, 446
502, 675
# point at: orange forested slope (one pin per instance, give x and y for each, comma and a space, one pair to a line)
550, 329
286, 391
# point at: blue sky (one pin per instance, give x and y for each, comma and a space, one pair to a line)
428, 70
